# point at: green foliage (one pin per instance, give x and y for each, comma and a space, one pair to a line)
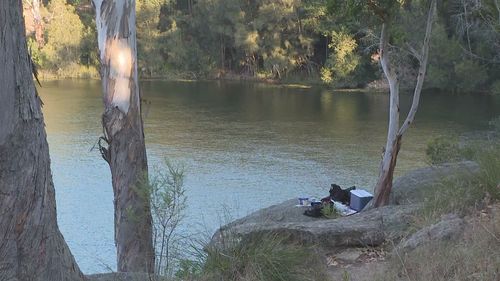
189, 269
326, 75
329, 211
35, 53
489, 177
89, 52
288, 40
343, 58
185, 56
166, 192
449, 68
474, 257
374, 12
495, 123
461, 194
495, 88
64, 34
149, 47
270, 257
470, 76
444, 53
457, 195
70, 49
443, 150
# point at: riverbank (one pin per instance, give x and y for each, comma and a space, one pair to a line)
377, 86
90, 73
411, 239
442, 223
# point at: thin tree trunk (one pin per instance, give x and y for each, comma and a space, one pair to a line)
31, 246
391, 150
386, 176
423, 57
37, 18
122, 122
395, 133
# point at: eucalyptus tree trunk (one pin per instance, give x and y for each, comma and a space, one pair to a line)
124, 134
395, 131
31, 246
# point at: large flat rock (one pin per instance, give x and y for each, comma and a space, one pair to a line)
448, 228
371, 227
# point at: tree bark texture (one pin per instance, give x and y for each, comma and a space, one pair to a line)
31, 246
124, 134
395, 132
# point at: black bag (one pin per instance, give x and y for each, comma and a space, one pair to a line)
341, 195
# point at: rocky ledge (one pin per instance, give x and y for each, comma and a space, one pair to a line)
368, 228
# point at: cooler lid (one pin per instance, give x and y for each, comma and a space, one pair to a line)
361, 193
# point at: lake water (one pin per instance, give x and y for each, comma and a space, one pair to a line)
245, 146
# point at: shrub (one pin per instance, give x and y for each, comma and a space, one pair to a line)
328, 211
442, 150
189, 270
270, 257
473, 258
495, 88
166, 192
471, 76
495, 123
489, 175
461, 194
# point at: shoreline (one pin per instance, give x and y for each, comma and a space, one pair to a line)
269, 82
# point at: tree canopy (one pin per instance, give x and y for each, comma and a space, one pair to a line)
318, 41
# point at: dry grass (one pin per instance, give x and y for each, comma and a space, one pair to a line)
267, 257
466, 193
474, 257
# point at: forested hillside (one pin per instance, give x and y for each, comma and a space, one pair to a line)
310, 41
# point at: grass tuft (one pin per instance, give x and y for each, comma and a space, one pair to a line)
269, 257
466, 192
473, 257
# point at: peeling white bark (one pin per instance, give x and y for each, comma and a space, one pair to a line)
124, 133
116, 33
395, 132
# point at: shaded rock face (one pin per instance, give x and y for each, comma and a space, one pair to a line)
449, 228
370, 228
412, 187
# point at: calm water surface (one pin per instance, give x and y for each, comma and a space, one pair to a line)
245, 146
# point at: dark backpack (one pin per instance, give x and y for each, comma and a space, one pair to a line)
341, 195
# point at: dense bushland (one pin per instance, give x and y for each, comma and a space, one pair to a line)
308, 41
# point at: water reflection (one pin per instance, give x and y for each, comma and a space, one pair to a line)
246, 146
